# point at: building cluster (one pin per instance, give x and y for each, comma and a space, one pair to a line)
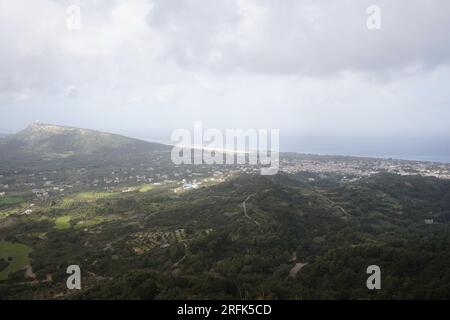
362, 167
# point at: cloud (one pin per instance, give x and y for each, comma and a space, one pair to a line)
302, 66
22, 96
70, 91
303, 37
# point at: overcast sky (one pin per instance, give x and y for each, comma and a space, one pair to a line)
140, 67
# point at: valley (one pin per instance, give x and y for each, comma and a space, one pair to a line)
141, 227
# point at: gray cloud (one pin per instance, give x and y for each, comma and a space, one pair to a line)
304, 37
306, 67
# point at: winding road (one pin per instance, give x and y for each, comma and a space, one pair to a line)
245, 209
182, 258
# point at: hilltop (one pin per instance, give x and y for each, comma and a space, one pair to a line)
48, 141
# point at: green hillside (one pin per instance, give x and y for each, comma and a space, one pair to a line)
48, 141
293, 240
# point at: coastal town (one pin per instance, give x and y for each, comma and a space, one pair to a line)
355, 167
45, 185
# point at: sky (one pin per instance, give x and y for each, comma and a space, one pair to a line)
313, 69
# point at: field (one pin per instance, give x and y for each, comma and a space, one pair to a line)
16, 255
90, 196
62, 223
146, 188
88, 223
11, 200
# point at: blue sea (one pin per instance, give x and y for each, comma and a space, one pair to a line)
416, 148
436, 149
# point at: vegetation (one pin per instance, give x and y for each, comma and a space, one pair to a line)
138, 233
14, 257
62, 222
10, 200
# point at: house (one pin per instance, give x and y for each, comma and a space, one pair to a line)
193, 185
429, 221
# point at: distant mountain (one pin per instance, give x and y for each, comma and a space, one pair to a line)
47, 141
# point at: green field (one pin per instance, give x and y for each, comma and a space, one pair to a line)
10, 200
62, 222
89, 196
88, 223
146, 188
16, 255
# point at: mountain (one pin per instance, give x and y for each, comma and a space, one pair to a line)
50, 142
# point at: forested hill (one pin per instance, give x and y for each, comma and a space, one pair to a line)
66, 146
